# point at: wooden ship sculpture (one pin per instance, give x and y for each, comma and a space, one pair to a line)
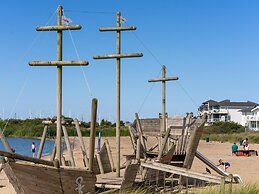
165, 164
35, 175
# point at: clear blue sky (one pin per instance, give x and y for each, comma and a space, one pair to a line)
213, 46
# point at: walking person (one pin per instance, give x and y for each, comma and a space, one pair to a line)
33, 149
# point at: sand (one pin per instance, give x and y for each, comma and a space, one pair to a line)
246, 167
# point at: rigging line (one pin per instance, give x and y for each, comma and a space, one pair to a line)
27, 77
86, 81
89, 12
148, 93
185, 91
149, 51
16, 102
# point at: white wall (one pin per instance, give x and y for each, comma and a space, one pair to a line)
235, 116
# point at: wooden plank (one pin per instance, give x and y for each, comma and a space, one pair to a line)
118, 56
109, 154
45, 179
129, 176
26, 158
58, 63
58, 28
13, 178
121, 28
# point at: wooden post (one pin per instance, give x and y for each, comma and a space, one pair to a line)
222, 185
118, 56
5, 142
109, 154
59, 87
83, 149
118, 77
231, 183
53, 154
163, 145
163, 80
138, 150
59, 63
141, 135
42, 141
68, 146
92, 134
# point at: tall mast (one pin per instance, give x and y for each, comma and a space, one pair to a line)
59, 64
118, 57
164, 79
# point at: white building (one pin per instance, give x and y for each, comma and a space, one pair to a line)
250, 118
225, 111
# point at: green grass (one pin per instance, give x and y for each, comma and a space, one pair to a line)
253, 137
237, 189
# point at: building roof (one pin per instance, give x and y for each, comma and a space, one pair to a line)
246, 109
227, 102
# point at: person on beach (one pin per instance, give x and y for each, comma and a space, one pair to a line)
234, 148
245, 142
33, 149
246, 151
226, 165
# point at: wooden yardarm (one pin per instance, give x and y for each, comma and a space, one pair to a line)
59, 63
118, 56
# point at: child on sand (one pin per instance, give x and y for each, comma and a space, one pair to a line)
226, 165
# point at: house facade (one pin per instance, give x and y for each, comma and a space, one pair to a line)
250, 118
224, 111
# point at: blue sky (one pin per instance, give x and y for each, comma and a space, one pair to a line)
212, 46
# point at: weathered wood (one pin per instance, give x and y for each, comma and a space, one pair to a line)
118, 56
58, 63
58, 28
163, 145
70, 153
53, 154
13, 179
163, 79
5, 142
59, 87
109, 154
92, 134
26, 158
194, 141
121, 28
82, 145
42, 141
138, 150
129, 176
44, 179
99, 161
141, 135
182, 171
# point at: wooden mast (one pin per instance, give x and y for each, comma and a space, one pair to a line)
59, 63
164, 79
118, 56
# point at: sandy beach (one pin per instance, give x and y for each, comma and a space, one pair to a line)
246, 167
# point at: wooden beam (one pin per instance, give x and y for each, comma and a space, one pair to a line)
163, 79
118, 56
92, 134
42, 141
58, 28
26, 158
70, 153
58, 63
5, 142
121, 28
